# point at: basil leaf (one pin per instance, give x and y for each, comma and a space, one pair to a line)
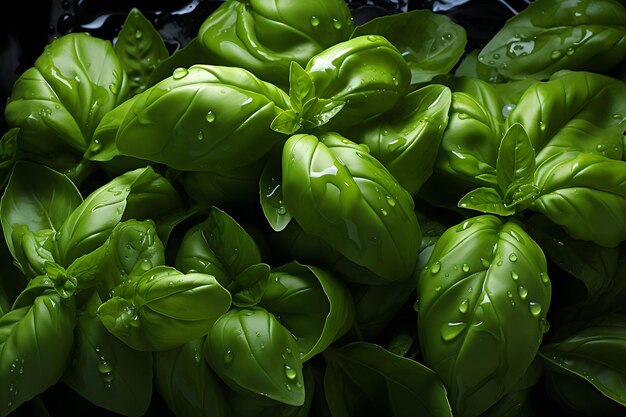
547, 36
330, 313
187, 384
39, 205
250, 350
140, 49
35, 346
107, 372
137, 194
249, 285
364, 379
430, 43
219, 246
271, 191
301, 88
483, 299
516, 159
486, 200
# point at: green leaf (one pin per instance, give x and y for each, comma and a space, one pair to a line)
41, 204
430, 43
585, 35
33, 250
219, 246
73, 84
287, 122
138, 194
249, 285
339, 193
486, 200
596, 354
164, 308
140, 49
35, 346
318, 111
8, 154
187, 384
483, 300
515, 165
192, 53
271, 192
105, 371
365, 379
330, 311
406, 139
250, 350
63, 283
301, 88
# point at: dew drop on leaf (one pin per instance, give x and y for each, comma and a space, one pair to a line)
180, 73
315, 21
337, 23
290, 373
535, 308
513, 257
138, 34
452, 330
465, 268
484, 262
435, 268
210, 116
228, 357
514, 276
391, 201
464, 306
523, 292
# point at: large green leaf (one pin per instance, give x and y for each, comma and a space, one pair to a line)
250, 350
430, 43
107, 372
549, 36
365, 379
138, 194
35, 346
43, 204
164, 308
58, 103
595, 354
330, 310
483, 295
187, 384
339, 193
406, 139
219, 246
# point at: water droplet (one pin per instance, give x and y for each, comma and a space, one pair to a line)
464, 306
108, 378
435, 268
544, 278
555, 54
228, 357
465, 268
447, 36
315, 21
484, 262
391, 201
383, 211
416, 306
371, 38
65, 4
464, 226
452, 330
290, 373
171, 283
200, 135
105, 367
463, 116
545, 325
570, 51
288, 387
535, 308
523, 292
281, 210
396, 144
507, 109
438, 288
542, 126
514, 275
512, 257
601, 147
616, 116
337, 23
138, 34
180, 73
210, 116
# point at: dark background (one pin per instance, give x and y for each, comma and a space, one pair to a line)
28, 25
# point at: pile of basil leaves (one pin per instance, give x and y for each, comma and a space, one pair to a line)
294, 216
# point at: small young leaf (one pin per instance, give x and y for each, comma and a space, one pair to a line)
64, 284
249, 286
318, 112
516, 159
486, 200
301, 88
287, 122
520, 194
140, 49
